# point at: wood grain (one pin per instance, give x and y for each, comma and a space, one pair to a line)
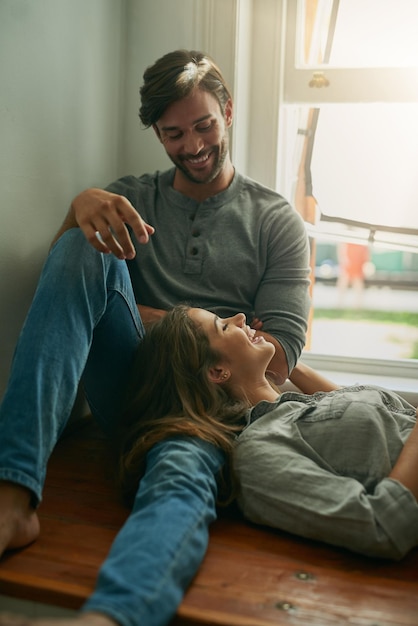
251, 576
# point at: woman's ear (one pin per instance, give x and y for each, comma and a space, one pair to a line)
218, 375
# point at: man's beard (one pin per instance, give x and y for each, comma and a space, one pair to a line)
220, 153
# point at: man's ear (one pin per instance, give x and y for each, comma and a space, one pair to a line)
218, 375
229, 113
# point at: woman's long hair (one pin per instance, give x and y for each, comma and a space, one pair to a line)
170, 394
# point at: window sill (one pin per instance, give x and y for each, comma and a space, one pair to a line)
400, 376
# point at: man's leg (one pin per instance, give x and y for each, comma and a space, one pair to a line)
161, 545
82, 298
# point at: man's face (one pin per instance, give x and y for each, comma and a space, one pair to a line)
194, 133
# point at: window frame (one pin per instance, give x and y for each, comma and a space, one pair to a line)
346, 85
259, 97
350, 85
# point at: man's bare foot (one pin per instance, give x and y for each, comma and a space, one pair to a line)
19, 523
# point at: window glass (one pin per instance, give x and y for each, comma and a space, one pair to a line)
365, 301
364, 33
349, 167
364, 164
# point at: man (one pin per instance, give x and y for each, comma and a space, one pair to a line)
200, 233
222, 242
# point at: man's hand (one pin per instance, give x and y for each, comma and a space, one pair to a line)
277, 369
102, 216
256, 324
149, 314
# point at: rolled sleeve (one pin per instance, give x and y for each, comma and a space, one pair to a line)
396, 511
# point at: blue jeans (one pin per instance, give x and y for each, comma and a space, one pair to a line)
84, 324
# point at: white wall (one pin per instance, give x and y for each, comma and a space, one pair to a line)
59, 110
152, 29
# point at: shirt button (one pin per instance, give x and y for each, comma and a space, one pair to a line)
195, 233
194, 251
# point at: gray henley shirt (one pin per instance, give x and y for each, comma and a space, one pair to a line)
242, 250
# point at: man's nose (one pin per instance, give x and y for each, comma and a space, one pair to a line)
193, 143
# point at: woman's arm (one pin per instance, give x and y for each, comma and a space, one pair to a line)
405, 469
309, 381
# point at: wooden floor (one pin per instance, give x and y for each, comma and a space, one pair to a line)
250, 576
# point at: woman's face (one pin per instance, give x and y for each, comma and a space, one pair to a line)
243, 354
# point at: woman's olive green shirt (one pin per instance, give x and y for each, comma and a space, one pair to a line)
318, 466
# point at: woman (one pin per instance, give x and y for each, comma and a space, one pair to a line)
340, 465
351, 482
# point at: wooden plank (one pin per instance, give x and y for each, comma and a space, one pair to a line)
80, 515
284, 580
251, 576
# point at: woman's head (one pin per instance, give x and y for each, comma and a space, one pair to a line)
241, 357
175, 356
200, 360
173, 77
171, 393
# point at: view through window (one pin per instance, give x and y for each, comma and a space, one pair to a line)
348, 161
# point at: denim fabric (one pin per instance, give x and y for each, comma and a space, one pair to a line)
84, 322
245, 226
83, 318
158, 550
318, 466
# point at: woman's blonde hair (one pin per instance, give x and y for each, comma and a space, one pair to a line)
170, 394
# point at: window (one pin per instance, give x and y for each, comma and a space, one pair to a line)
347, 160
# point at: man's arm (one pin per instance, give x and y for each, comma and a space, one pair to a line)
103, 216
282, 301
69, 222
278, 367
